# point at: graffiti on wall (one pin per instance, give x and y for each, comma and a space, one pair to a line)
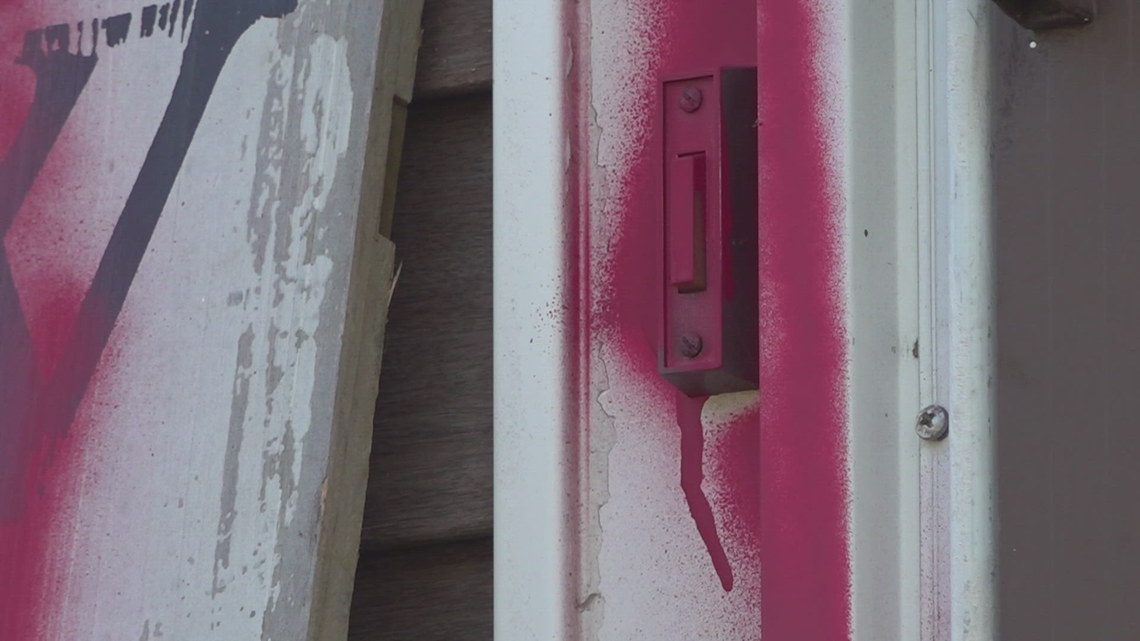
40, 397
46, 369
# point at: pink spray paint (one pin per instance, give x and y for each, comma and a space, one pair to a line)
24, 544
39, 470
783, 510
692, 477
695, 38
803, 412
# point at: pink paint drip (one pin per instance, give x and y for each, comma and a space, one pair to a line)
692, 476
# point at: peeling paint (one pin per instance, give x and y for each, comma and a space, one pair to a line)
310, 75
238, 408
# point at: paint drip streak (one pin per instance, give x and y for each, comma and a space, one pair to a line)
692, 476
804, 488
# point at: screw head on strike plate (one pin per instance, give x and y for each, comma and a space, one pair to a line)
691, 345
691, 99
933, 423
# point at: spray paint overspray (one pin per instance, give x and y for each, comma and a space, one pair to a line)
773, 465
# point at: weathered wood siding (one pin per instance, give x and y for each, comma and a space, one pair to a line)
425, 568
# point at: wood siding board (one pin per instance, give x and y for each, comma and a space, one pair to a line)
439, 592
431, 459
456, 53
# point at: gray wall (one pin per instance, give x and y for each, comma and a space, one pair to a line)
425, 564
1066, 145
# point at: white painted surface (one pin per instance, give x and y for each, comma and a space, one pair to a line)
885, 221
964, 307
532, 396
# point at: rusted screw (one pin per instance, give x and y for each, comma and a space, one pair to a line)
691, 345
933, 423
691, 99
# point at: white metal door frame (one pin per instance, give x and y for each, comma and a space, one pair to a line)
908, 104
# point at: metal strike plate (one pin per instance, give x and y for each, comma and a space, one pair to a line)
1041, 15
709, 309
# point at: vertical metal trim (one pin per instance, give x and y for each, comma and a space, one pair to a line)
934, 573
958, 474
884, 256
913, 130
532, 456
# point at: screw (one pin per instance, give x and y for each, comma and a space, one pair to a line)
691, 345
933, 423
691, 99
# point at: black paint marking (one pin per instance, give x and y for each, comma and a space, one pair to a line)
58, 37
163, 14
60, 78
174, 17
692, 479
187, 9
218, 25
149, 13
117, 28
